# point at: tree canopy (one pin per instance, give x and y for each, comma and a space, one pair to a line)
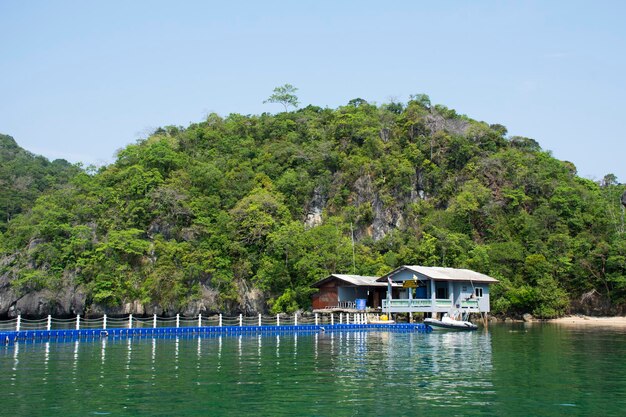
244, 213
24, 177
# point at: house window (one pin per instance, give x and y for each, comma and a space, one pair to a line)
442, 293
478, 292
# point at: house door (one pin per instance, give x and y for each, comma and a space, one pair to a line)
375, 295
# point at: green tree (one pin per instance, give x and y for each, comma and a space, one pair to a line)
285, 95
421, 99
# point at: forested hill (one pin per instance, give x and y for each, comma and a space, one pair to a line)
24, 177
243, 213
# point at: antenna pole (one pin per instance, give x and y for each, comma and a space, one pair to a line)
353, 256
621, 230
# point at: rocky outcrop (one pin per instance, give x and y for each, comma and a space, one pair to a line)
378, 218
7, 295
437, 122
135, 307
68, 301
207, 303
252, 300
315, 208
72, 299
385, 219
593, 303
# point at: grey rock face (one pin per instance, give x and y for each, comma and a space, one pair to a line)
7, 295
436, 122
207, 303
251, 300
384, 218
69, 301
314, 212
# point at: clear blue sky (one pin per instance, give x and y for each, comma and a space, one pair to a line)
81, 79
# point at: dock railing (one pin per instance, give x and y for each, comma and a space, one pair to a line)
217, 320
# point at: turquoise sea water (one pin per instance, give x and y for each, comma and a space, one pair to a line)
507, 370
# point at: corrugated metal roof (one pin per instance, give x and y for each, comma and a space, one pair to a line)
357, 280
447, 274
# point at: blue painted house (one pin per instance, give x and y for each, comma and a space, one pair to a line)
409, 289
426, 289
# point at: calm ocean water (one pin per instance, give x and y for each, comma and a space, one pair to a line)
520, 370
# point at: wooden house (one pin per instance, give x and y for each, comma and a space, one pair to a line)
342, 291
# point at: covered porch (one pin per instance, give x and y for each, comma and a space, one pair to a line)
436, 290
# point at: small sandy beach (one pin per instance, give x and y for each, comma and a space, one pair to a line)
591, 321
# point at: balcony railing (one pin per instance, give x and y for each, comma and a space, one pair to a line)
416, 303
469, 304
426, 304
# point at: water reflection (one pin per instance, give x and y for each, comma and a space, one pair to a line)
259, 350
46, 360
509, 370
348, 368
75, 362
240, 364
295, 345
129, 350
153, 362
16, 361
103, 350
461, 366
153, 353
176, 350
129, 357
414, 368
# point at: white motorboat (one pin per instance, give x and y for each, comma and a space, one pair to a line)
448, 322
